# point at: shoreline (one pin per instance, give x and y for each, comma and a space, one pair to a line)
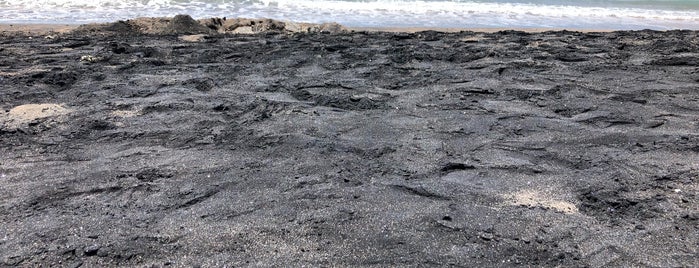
46, 28
39, 28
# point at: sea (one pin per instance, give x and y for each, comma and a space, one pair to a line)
559, 14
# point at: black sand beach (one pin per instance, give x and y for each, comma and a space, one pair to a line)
171, 142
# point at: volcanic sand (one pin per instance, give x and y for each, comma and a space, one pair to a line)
175, 142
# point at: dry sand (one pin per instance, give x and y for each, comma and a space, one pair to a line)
174, 142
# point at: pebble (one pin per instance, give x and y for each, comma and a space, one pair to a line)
486, 236
91, 250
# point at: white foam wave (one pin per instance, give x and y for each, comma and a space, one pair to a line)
353, 13
463, 8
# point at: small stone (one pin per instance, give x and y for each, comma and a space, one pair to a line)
486, 236
92, 250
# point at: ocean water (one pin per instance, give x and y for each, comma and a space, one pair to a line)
569, 14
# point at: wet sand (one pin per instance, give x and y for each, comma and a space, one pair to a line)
39, 29
258, 143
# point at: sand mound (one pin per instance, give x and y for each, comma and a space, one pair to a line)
186, 25
27, 113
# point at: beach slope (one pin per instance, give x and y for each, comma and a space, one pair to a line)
187, 143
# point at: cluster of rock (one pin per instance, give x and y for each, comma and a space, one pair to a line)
186, 25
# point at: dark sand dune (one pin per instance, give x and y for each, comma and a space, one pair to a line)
197, 146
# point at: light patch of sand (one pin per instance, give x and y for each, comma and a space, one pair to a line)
37, 28
534, 44
26, 113
244, 30
25, 71
29, 112
193, 38
473, 39
125, 113
533, 198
